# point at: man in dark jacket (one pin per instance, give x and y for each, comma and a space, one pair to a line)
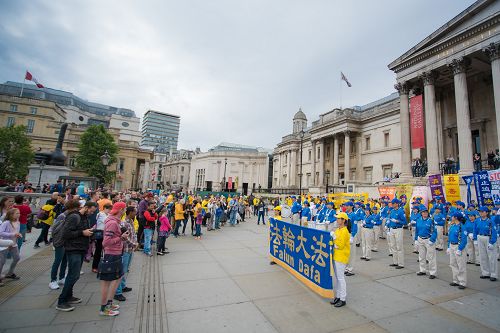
76, 234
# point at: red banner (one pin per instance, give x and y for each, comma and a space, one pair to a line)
230, 183
417, 122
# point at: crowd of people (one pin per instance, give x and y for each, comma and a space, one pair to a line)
472, 234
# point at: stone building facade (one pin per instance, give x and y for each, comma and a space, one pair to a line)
176, 170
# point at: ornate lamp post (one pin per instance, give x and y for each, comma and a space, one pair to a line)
105, 159
301, 135
224, 178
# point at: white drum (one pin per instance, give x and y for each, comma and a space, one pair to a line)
311, 224
286, 211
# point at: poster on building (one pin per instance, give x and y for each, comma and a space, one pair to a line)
417, 122
304, 252
452, 187
422, 192
494, 176
436, 185
483, 188
230, 183
387, 191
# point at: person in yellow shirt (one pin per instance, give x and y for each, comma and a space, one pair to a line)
342, 248
277, 213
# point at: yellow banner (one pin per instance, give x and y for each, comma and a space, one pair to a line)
407, 190
451, 187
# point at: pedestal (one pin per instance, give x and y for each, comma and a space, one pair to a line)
50, 174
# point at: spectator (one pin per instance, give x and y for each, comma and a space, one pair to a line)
165, 229
129, 246
9, 230
76, 234
104, 201
150, 217
477, 162
46, 217
24, 210
98, 236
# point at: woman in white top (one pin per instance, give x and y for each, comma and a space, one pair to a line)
99, 236
9, 231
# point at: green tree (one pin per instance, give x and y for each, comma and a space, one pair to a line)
94, 142
15, 145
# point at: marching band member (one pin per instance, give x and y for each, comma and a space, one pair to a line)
306, 214
359, 211
329, 216
341, 253
472, 250
377, 224
425, 238
485, 236
322, 211
354, 230
439, 220
457, 241
277, 212
367, 234
384, 214
397, 219
296, 209
414, 216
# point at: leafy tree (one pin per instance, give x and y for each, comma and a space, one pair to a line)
15, 145
94, 142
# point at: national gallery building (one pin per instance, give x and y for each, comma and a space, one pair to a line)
446, 107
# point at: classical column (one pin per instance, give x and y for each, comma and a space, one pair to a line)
289, 162
321, 163
404, 119
280, 170
431, 122
314, 154
459, 66
293, 174
493, 50
347, 157
335, 160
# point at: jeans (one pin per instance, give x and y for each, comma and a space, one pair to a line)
232, 217
178, 225
261, 214
75, 261
148, 235
44, 234
140, 229
217, 222
60, 263
126, 259
22, 231
198, 230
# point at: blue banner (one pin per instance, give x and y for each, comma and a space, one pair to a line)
304, 252
483, 188
468, 180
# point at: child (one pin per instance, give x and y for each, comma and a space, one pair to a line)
165, 229
199, 221
9, 230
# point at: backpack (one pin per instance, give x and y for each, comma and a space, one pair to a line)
43, 214
57, 231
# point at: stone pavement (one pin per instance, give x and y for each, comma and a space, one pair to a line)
224, 283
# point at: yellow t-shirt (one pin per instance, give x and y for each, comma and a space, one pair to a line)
342, 245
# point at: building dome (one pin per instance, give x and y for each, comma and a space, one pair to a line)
300, 115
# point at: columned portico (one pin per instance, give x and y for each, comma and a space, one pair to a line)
459, 67
293, 161
404, 117
347, 156
431, 122
493, 51
321, 163
335, 160
314, 157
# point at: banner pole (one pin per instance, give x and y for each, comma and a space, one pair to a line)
340, 89
22, 87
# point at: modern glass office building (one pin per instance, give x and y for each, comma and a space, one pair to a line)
160, 129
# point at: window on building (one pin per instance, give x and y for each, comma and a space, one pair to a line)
319, 154
387, 170
353, 174
309, 157
72, 161
121, 165
353, 147
31, 126
327, 152
182, 179
308, 180
34, 110
367, 143
11, 121
386, 139
13, 108
182, 169
286, 158
368, 174
341, 149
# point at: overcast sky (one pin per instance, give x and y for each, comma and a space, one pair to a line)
234, 70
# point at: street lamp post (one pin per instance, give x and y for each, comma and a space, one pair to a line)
327, 180
224, 178
301, 134
105, 159
38, 187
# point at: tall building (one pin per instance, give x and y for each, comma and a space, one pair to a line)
160, 129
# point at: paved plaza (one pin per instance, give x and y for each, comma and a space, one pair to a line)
224, 283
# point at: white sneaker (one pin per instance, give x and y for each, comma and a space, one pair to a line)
81, 272
53, 285
61, 282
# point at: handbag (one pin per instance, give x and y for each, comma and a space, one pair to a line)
98, 234
109, 267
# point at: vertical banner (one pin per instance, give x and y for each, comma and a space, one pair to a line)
451, 187
230, 183
387, 191
483, 188
417, 122
436, 186
495, 185
468, 181
304, 252
422, 192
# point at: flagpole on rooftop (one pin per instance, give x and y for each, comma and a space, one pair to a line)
22, 87
340, 89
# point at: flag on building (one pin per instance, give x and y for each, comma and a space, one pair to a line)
30, 77
342, 77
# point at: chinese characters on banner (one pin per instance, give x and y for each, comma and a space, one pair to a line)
417, 122
483, 188
495, 185
420, 191
436, 186
468, 181
389, 191
451, 187
304, 252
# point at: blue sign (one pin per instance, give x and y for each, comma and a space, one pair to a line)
468, 180
483, 188
304, 252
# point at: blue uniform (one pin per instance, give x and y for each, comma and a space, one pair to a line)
413, 218
377, 220
321, 214
330, 215
354, 226
469, 226
439, 219
397, 218
296, 208
486, 227
384, 212
425, 229
457, 235
369, 222
306, 212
